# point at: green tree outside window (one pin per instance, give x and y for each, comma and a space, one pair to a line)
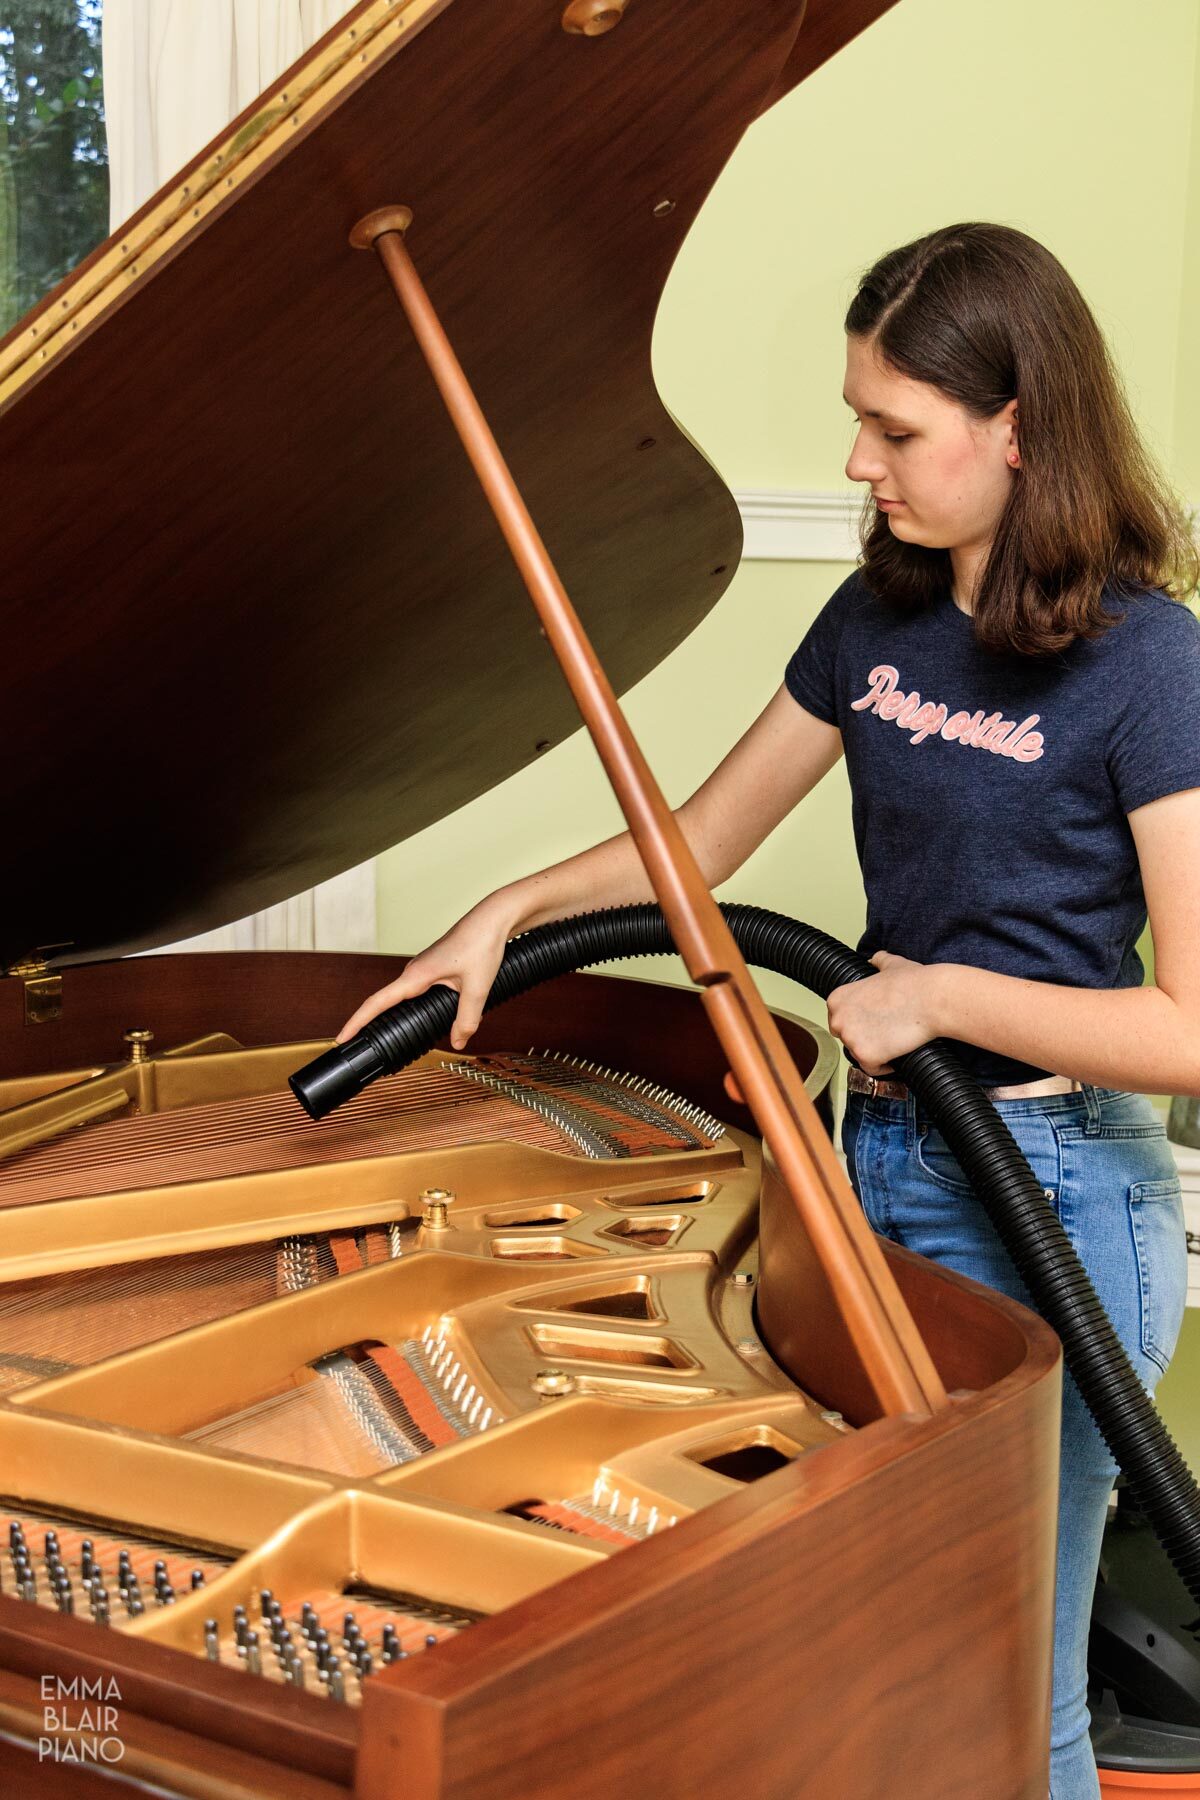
53, 153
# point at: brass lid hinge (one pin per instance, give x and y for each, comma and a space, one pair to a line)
43, 986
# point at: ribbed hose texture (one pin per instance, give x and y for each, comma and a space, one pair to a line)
1007, 1187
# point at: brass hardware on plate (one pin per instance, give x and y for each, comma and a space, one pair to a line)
553, 1384
435, 1208
139, 1042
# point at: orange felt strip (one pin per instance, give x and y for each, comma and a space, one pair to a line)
415, 1396
345, 1252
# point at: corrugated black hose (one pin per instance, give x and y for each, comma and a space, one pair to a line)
1007, 1187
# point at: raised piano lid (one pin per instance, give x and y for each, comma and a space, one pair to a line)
259, 622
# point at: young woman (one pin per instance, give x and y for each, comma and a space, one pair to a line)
1015, 685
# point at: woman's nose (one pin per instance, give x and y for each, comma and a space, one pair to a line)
862, 464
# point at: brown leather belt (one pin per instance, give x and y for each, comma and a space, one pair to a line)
858, 1082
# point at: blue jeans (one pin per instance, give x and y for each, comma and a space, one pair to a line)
1104, 1160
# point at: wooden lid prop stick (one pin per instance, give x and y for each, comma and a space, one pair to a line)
893, 1354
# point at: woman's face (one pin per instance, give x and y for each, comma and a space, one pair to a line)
945, 473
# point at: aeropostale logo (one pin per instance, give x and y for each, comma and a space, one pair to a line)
928, 718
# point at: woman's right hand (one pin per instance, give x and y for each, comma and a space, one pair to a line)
465, 959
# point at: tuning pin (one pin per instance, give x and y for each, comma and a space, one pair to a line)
212, 1644
197, 1579
253, 1654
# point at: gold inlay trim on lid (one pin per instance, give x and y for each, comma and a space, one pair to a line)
318, 83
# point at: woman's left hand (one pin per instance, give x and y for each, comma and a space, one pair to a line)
888, 1014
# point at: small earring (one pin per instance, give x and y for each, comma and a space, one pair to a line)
1014, 459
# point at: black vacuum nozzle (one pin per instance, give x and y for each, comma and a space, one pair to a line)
336, 1075
389, 1043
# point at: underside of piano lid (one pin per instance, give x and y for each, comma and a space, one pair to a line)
261, 623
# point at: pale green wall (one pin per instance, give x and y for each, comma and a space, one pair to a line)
1067, 118
685, 714
1187, 390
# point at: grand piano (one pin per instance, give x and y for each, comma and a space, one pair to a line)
503, 1436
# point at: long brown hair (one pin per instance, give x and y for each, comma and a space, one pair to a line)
987, 315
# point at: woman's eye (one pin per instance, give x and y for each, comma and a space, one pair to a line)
897, 437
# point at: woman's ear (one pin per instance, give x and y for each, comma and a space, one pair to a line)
1013, 447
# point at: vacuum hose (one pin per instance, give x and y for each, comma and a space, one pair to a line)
1007, 1187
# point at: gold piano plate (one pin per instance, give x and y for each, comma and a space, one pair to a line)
355, 1398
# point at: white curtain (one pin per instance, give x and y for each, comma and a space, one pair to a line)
175, 73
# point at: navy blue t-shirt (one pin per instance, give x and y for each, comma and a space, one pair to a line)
990, 791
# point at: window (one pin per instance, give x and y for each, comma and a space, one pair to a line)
53, 155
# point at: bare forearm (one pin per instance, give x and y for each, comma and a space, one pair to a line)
1137, 1039
767, 773
609, 874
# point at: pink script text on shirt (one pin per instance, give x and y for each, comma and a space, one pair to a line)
1003, 737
